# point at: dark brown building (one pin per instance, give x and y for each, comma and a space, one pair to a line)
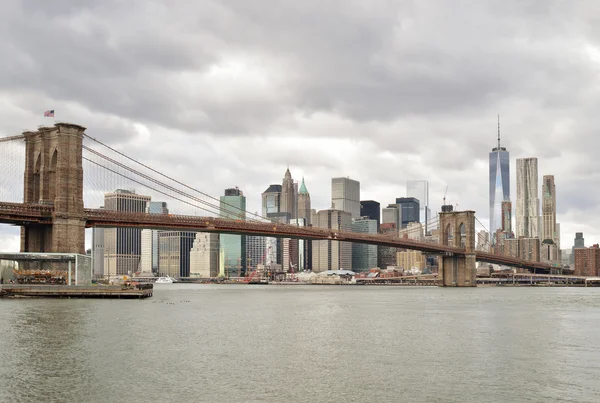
587, 261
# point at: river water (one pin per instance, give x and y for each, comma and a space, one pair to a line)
236, 343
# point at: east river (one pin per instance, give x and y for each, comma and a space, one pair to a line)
236, 343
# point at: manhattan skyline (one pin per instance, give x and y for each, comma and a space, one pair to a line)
238, 107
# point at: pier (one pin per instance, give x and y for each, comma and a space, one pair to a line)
137, 291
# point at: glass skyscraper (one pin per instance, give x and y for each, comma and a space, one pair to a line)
499, 185
233, 205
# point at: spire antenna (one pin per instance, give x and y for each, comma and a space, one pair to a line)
498, 132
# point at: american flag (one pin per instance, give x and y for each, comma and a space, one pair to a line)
49, 114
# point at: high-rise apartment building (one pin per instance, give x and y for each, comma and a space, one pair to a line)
549, 226
204, 255
233, 205
174, 256
345, 195
410, 210
364, 257
289, 195
372, 210
419, 189
98, 251
587, 261
123, 246
528, 203
304, 203
499, 183
332, 255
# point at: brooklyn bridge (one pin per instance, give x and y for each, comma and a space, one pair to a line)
52, 179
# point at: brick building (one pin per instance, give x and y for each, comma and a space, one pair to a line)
587, 261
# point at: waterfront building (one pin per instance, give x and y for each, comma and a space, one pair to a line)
332, 255
587, 261
419, 189
409, 210
372, 210
499, 183
304, 203
364, 257
150, 250
528, 203
579, 242
233, 205
345, 195
174, 255
204, 255
411, 260
123, 246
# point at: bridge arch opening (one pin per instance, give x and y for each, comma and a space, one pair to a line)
52, 175
462, 233
448, 235
36, 178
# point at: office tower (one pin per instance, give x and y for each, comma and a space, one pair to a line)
289, 200
301, 249
499, 183
529, 249
304, 203
587, 261
483, 241
414, 231
372, 210
149, 258
271, 200
364, 257
345, 195
386, 255
204, 255
579, 242
255, 251
174, 255
410, 210
528, 204
391, 214
123, 246
506, 217
332, 255
233, 205
419, 189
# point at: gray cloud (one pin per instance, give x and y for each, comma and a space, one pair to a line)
224, 93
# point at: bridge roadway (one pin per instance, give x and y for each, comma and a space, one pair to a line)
27, 213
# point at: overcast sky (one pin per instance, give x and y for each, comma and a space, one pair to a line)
228, 93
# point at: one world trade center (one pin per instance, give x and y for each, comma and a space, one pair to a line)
499, 184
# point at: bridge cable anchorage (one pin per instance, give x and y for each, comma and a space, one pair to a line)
175, 180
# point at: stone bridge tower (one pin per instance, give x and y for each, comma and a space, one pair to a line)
54, 176
457, 228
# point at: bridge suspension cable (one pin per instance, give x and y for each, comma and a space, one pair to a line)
242, 211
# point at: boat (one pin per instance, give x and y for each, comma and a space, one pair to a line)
164, 280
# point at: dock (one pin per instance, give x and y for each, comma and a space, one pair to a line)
137, 291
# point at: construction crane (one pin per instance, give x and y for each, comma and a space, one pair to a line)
445, 192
